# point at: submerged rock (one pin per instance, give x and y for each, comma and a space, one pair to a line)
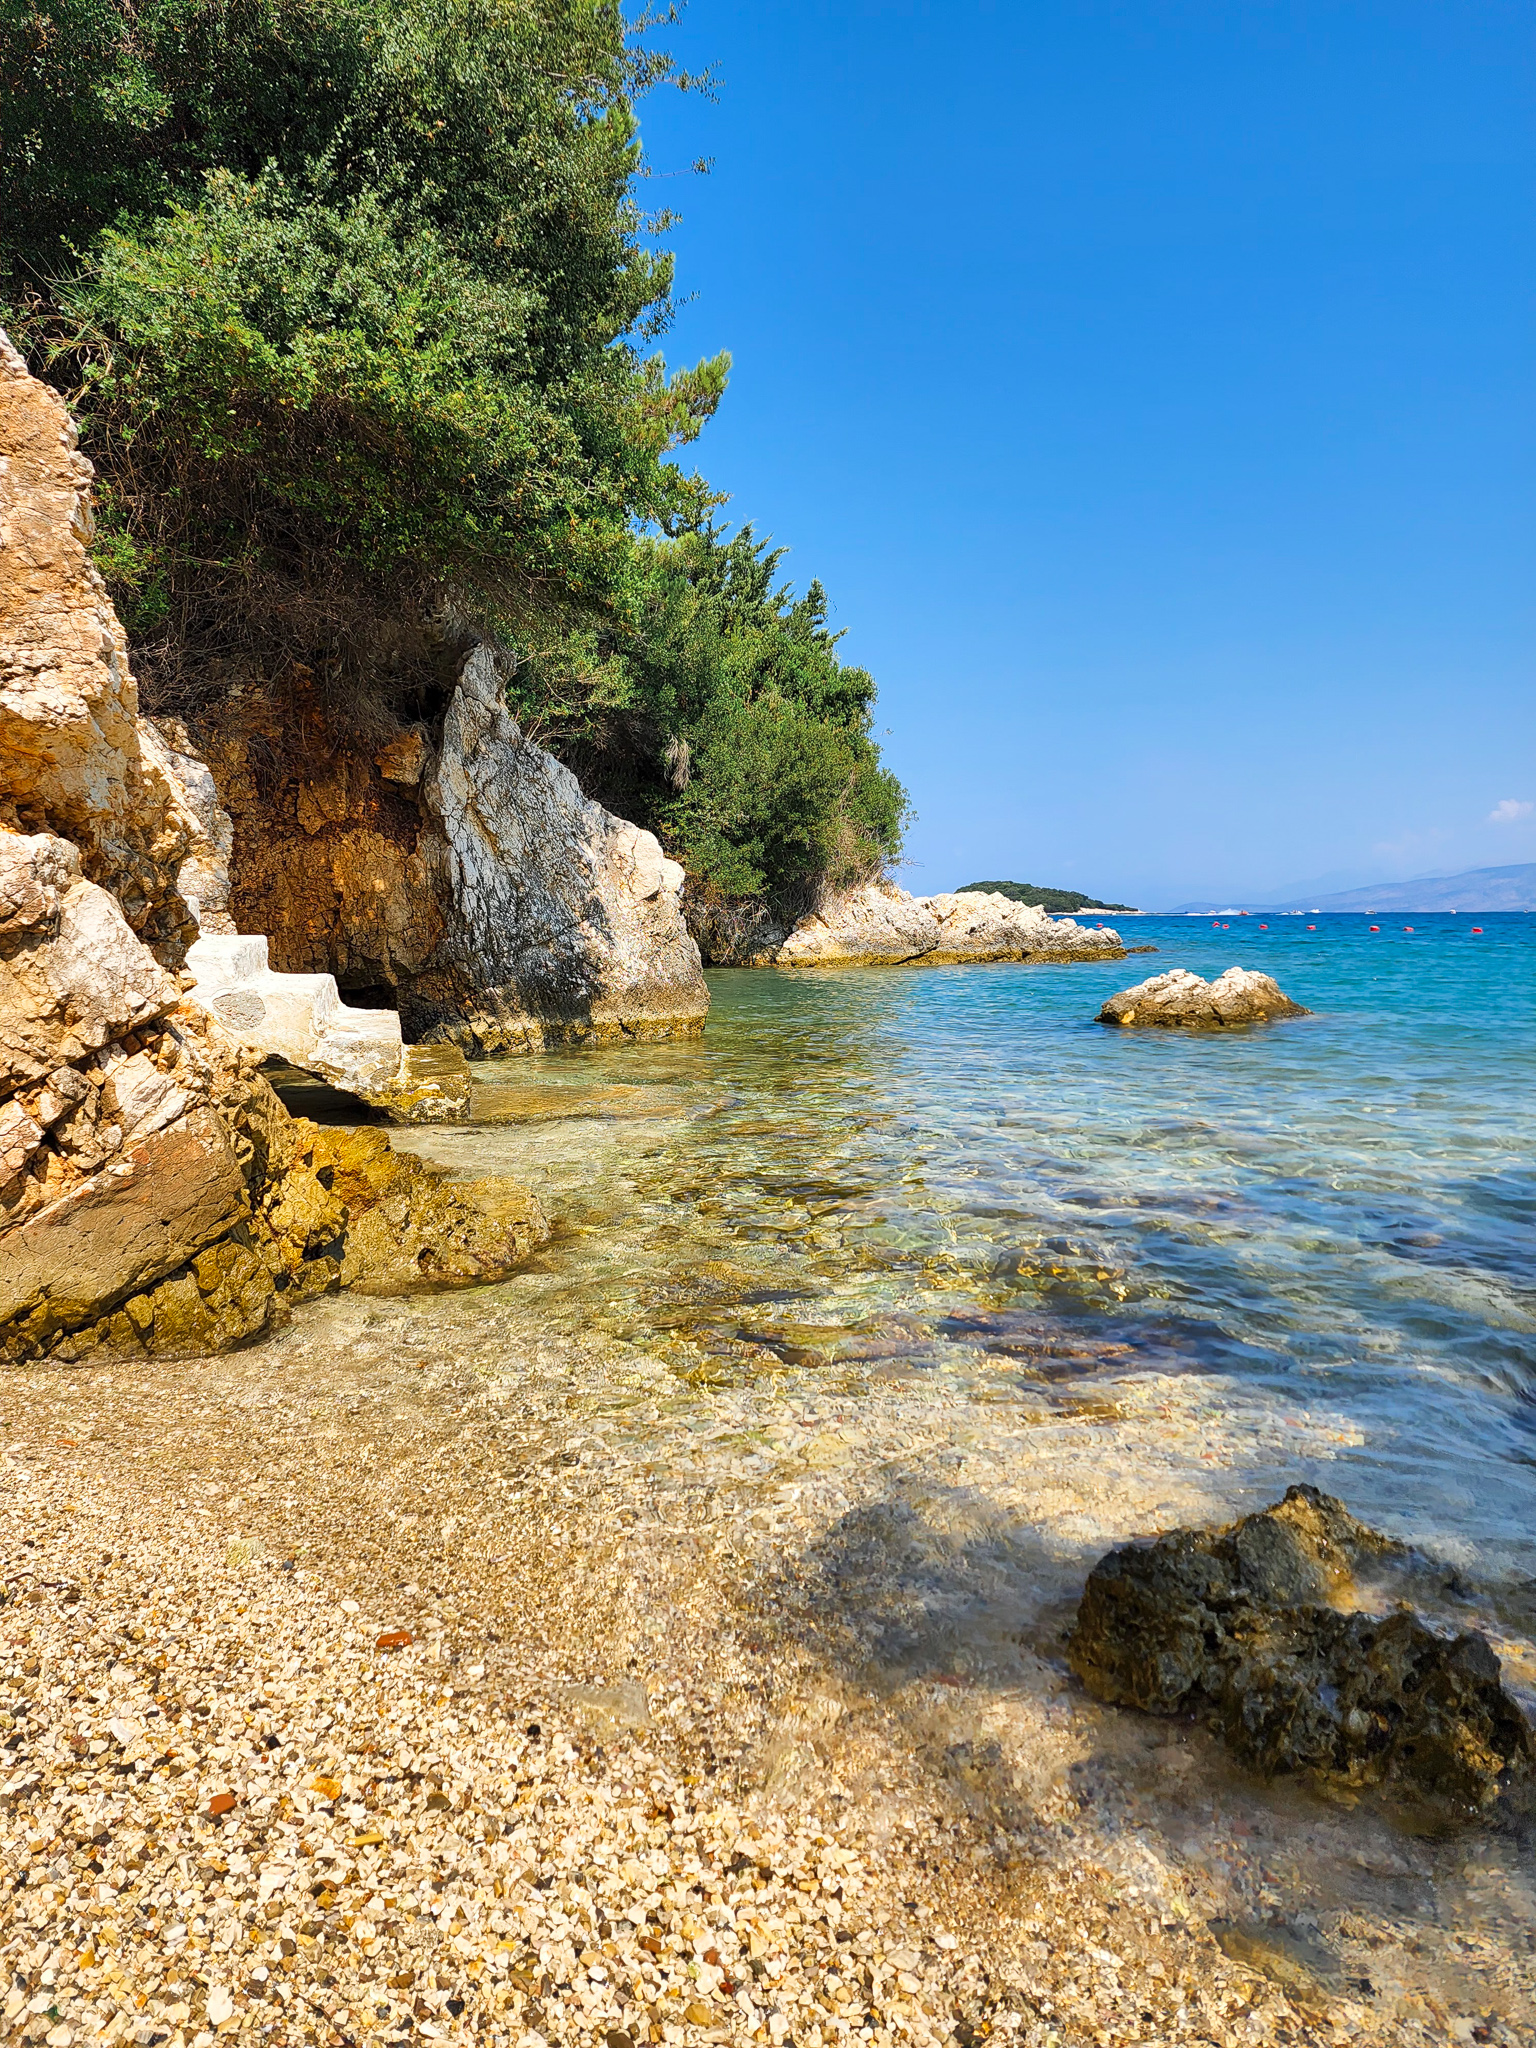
1272, 1630
1240, 996
883, 926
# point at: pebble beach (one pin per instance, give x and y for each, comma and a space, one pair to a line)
667, 1645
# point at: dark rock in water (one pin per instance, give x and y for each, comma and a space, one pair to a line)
1264, 1629
1288, 1956
1179, 998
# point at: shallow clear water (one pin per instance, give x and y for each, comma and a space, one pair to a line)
955, 1173
907, 1292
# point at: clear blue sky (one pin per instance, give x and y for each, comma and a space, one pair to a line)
1151, 386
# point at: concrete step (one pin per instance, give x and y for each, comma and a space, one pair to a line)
301, 1018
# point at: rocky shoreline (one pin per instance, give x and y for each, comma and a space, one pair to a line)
882, 925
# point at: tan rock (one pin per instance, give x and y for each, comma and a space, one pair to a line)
74, 757
1180, 999
883, 926
125, 1228
72, 975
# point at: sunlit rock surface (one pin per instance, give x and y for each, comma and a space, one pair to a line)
883, 926
1181, 999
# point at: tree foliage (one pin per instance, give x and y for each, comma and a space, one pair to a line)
356, 302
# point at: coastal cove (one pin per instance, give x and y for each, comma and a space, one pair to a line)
1334, 1210
869, 1321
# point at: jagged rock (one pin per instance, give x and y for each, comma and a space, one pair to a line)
154, 1193
982, 925
564, 924
1285, 1630
320, 1209
467, 876
877, 926
75, 757
203, 876
120, 1230
883, 926
1179, 998
72, 975
301, 1018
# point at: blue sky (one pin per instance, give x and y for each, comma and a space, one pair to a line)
1151, 385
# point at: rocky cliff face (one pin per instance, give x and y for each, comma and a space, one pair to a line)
456, 872
883, 926
154, 1193
76, 759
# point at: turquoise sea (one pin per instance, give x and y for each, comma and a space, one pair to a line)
904, 1293
1336, 1213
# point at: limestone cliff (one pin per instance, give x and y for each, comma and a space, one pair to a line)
154, 1193
455, 872
75, 757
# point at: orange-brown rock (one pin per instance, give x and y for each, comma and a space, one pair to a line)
75, 757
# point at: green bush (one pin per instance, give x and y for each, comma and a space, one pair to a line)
354, 300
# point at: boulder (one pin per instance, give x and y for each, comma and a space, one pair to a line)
883, 926
73, 977
318, 1209
1286, 1632
562, 923
1179, 998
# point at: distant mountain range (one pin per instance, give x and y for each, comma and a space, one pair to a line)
1512, 888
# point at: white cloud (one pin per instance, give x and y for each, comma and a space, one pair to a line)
1509, 811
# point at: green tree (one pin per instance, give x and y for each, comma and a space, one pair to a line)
357, 305
724, 719
350, 279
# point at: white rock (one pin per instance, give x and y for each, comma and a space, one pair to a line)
883, 926
1179, 998
564, 922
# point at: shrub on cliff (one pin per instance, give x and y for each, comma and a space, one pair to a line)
350, 286
722, 718
353, 298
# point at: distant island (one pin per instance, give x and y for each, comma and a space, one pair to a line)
1476, 889
1043, 899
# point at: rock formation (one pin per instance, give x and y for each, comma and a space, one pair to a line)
154, 1193
76, 760
562, 923
1180, 998
456, 873
1286, 1631
883, 926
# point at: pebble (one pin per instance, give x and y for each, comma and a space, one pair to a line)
602, 1787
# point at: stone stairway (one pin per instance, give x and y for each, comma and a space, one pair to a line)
301, 1018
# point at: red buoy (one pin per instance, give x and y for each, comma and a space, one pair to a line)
1311, 927
1407, 927
1477, 931
1375, 927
